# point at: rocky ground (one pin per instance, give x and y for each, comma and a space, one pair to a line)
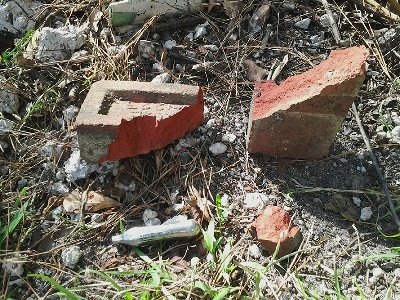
52, 246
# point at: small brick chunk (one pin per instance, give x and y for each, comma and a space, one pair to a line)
126, 118
300, 117
272, 225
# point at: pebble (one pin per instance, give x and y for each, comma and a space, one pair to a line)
149, 214
324, 19
70, 256
9, 102
170, 44
396, 134
5, 126
357, 201
146, 49
218, 148
212, 48
13, 268
210, 123
152, 222
162, 78
303, 24
228, 138
157, 67
200, 30
57, 212
288, 5
59, 188
255, 200
254, 251
366, 213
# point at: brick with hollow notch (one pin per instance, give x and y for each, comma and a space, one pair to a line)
121, 119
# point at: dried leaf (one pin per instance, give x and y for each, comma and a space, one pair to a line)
95, 201
72, 202
94, 19
253, 72
199, 205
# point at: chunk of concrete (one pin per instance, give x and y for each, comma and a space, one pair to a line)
126, 118
300, 117
273, 226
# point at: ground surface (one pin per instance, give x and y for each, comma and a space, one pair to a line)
341, 257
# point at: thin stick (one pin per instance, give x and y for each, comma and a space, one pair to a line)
377, 8
377, 168
332, 22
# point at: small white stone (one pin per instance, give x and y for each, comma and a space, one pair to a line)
218, 148
324, 19
59, 188
194, 261
178, 206
377, 272
170, 44
212, 48
200, 31
366, 213
13, 268
255, 200
152, 222
303, 24
56, 213
157, 67
210, 123
149, 214
146, 49
254, 251
395, 117
189, 37
9, 102
70, 256
225, 200
76, 168
162, 78
395, 133
5, 126
228, 138
357, 201
70, 113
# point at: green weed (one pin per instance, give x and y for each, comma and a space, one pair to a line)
215, 293
9, 56
223, 211
16, 219
64, 291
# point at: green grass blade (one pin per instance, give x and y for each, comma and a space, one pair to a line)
56, 285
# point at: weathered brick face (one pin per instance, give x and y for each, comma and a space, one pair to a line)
126, 118
300, 117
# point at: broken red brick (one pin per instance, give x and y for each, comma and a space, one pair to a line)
300, 117
273, 225
126, 118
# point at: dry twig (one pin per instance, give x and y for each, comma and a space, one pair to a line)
377, 168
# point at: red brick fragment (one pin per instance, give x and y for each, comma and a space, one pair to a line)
300, 117
273, 225
126, 118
